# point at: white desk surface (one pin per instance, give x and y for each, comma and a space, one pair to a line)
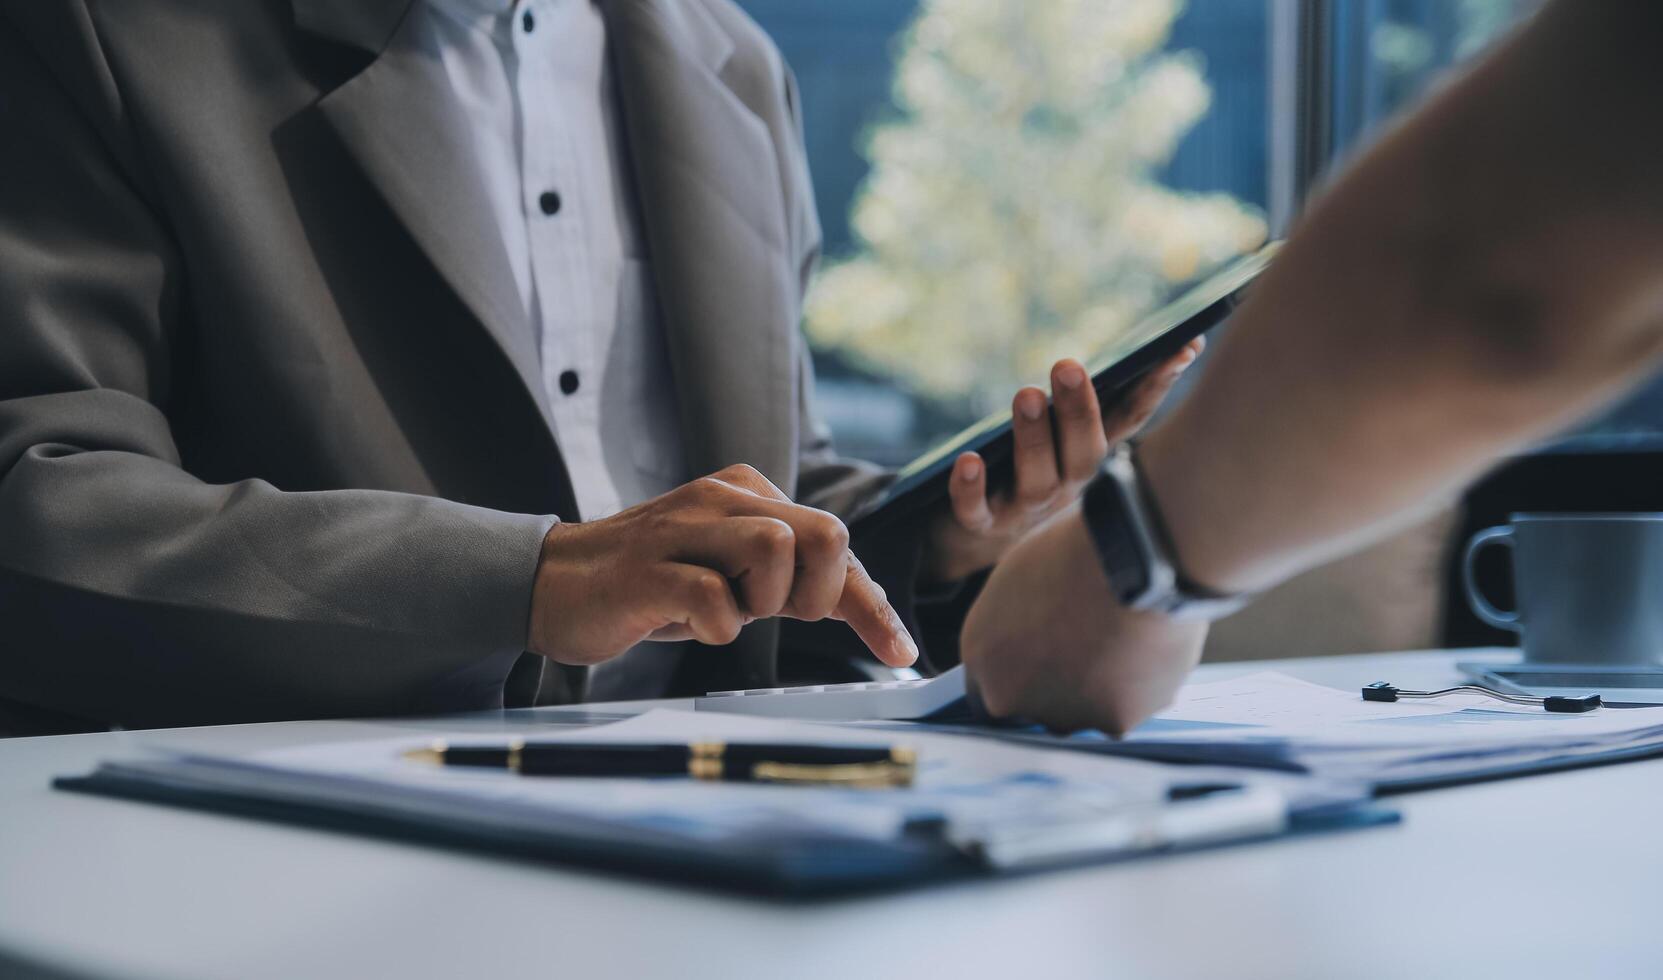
1558, 875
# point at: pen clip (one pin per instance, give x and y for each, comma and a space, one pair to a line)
860, 775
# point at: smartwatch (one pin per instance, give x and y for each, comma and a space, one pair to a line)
1136, 551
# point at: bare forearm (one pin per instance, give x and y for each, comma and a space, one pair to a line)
1485, 276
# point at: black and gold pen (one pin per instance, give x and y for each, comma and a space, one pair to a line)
839, 765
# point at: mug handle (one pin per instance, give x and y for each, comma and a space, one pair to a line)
1507, 619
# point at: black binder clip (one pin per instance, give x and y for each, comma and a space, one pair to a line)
1382, 691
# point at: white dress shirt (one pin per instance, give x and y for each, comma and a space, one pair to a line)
533, 80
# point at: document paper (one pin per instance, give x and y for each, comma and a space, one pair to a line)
1338, 735
957, 779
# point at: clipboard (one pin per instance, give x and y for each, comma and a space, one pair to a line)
992, 812
806, 864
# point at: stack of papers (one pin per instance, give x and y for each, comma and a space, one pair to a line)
954, 779
1274, 721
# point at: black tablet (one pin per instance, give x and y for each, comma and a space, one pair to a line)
1152, 340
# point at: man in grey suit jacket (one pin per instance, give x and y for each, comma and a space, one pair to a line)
276, 439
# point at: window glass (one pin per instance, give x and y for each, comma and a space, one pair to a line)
1386, 53
1004, 182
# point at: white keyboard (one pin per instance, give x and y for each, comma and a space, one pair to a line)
864, 701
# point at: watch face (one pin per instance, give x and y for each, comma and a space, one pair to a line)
1135, 556
1129, 574
1118, 545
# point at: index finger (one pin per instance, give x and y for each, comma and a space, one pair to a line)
867, 611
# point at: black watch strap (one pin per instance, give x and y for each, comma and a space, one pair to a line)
1136, 551
1119, 535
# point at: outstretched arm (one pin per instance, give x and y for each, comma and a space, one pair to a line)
1488, 273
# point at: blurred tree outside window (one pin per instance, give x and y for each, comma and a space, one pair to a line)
1019, 195
1003, 182
1013, 213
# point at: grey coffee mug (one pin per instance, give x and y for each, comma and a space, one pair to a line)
1589, 586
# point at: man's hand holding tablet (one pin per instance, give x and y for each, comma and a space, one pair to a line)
1052, 460
981, 490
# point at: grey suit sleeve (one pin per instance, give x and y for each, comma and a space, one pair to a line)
132, 592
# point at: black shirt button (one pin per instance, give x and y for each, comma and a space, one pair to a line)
549, 201
528, 22
568, 382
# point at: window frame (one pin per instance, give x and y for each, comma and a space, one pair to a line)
1301, 116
